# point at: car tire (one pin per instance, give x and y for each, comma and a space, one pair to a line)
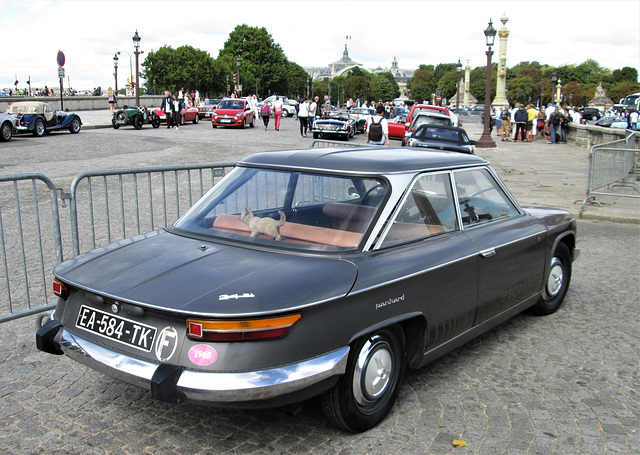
196, 119
557, 283
6, 132
367, 391
155, 122
39, 128
214, 125
253, 122
138, 120
315, 135
75, 126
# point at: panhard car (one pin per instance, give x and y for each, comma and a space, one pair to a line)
426, 117
233, 112
7, 124
319, 272
334, 124
136, 116
187, 114
437, 137
41, 118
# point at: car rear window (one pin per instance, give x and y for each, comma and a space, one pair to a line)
231, 104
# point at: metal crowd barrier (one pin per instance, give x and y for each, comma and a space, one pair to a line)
614, 169
322, 143
104, 206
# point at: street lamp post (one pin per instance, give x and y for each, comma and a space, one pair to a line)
541, 98
227, 85
554, 79
459, 70
115, 67
238, 63
136, 45
485, 140
130, 67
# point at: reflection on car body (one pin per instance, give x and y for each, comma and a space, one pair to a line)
387, 258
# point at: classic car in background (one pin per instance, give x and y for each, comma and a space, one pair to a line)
396, 127
288, 105
233, 112
362, 116
441, 138
313, 272
41, 118
334, 124
135, 116
7, 124
426, 117
187, 114
205, 110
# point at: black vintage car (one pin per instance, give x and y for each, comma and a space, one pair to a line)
335, 124
313, 272
436, 137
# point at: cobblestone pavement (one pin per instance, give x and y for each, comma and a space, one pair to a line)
564, 384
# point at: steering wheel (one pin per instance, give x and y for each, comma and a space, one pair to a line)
484, 190
377, 187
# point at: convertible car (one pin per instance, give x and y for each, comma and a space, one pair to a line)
187, 114
40, 118
334, 124
136, 116
321, 272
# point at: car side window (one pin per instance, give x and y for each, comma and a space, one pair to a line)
428, 209
480, 197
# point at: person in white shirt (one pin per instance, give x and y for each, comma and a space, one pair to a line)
303, 116
379, 118
277, 112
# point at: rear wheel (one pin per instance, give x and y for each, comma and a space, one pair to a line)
6, 132
557, 284
253, 122
39, 128
365, 394
196, 119
138, 121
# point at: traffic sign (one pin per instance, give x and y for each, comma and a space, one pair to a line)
60, 58
439, 98
61, 72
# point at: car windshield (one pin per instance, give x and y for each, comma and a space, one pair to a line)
231, 104
431, 120
287, 209
439, 134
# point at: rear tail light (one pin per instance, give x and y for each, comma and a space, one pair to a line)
240, 330
60, 289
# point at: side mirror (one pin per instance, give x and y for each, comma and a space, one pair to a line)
473, 142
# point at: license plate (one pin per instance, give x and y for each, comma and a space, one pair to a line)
208, 114
226, 120
122, 330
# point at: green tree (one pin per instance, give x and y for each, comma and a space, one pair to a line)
626, 74
262, 60
382, 88
298, 80
171, 69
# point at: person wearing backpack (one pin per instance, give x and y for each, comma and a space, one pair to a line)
554, 124
564, 125
506, 123
378, 128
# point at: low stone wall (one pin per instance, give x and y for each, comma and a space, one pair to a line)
586, 136
84, 103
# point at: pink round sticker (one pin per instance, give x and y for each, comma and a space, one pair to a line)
202, 355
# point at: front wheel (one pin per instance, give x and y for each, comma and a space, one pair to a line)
196, 119
365, 394
557, 284
253, 122
315, 135
75, 126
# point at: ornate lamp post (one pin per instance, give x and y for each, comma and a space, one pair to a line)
130, 68
459, 70
115, 67
238, 88
136, 44
554, 79
485, 140
541, 98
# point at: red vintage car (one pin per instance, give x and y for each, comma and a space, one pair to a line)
187, 114
233, 112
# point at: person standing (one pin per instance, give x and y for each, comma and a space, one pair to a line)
378, 128
633, 117
197, 100
542, 118
167, 107
564, 125
520, 118
265, 113
303, 116
277, 112
313, 110
554, 124
177, 107
532, 114
112, 99
506, 124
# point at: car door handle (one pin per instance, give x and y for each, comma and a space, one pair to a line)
488, 253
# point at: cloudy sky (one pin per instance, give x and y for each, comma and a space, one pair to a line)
311, 33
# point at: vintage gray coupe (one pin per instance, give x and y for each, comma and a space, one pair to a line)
321, 272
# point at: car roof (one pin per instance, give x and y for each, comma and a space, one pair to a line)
431, 114
368, 160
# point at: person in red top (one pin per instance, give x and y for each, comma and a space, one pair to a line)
277, 111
